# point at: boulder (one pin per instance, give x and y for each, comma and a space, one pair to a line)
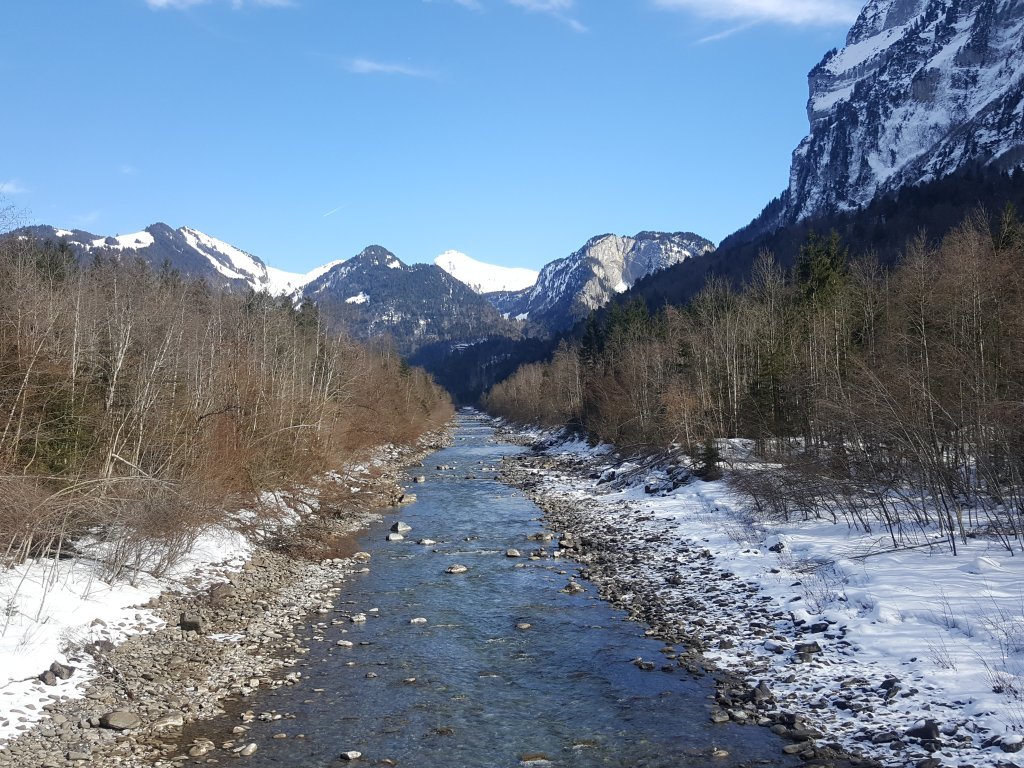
120, 720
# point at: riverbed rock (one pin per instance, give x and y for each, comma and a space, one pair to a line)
394, 537
401, 527
350, 755
419, 479
62, 671
513, 553
457, 568
190, 622
120, 720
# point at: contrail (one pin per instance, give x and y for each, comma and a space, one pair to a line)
333, 211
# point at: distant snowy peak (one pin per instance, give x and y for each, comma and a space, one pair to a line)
922, 88
483, 277
191, 252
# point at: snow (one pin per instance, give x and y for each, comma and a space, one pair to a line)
63, 233
52, 606
359, 298
132, 241
826, 101
854, 55
950, 627
238, 261
483, 277
280, 282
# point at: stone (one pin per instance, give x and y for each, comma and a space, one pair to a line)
248, 749
419, 479
573, 588
62, 671
219, 593
426, 542
513, 553
48, 678
457, 568
395, 537
78, 755
190, 622
120, 720
928, 730
418, 620
401, 527
351, 755
407, 498
173, 720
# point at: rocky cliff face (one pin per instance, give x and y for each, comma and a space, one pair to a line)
568, 289
921, 89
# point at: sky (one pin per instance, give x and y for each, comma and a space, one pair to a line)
304, 130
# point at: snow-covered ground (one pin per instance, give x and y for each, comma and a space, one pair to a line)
946, 632
52, 608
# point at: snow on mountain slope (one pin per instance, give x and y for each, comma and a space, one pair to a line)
922, 88
483, 277
191, 252
568, 289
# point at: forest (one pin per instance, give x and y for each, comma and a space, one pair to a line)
138, 407
891, 397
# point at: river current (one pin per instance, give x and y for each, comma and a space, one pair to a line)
472, 686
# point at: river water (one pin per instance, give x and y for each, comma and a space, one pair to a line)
470, 687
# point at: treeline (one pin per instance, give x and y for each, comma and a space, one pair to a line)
893, 397
139, 405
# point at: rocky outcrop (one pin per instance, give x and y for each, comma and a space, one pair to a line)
922, 88
569, 289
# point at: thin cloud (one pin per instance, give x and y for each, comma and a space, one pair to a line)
372, 67
127, 170
558, 9
796, 12
12, 187
727, 33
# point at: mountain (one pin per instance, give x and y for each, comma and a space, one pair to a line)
189, 251
922, 89
483, 277
375, 294
568, 289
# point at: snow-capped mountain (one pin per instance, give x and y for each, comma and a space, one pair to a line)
922, 88
191, 252
375, 294
483, 277
568, 289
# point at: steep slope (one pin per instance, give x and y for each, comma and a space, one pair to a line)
568, 289
374, 294
923, 88
483, 277
189, 251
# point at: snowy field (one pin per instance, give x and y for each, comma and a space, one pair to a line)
927, 635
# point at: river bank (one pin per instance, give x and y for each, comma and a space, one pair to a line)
838, 664
223, 627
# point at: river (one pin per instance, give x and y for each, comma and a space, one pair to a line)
473, 686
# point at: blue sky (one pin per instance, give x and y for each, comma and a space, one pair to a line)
303, 130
